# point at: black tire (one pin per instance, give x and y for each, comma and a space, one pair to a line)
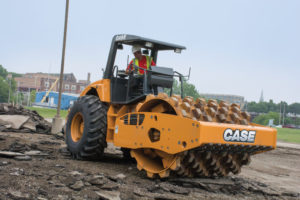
92, 142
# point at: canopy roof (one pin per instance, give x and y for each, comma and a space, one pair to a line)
146, 43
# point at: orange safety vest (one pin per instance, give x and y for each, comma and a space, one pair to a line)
148, 60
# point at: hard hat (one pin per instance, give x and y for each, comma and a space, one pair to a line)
136, 48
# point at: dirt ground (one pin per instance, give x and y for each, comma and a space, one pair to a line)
48, 172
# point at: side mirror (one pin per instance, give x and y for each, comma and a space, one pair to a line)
146, 52
120, 46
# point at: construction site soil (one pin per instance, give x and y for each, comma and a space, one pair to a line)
38, 166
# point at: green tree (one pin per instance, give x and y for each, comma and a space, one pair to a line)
265, 107
261, 107
294, 108
3, 72
32, 96
272, 107
4, 87
188, 89
263, 119
15, 74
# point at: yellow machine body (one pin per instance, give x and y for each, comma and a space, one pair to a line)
182, 136
102, 88
179, 134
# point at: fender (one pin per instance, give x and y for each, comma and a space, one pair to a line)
102, 87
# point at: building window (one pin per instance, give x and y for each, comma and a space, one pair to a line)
46, 83
73, 87
67, 86
81, 88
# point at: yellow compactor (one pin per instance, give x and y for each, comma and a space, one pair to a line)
166, 134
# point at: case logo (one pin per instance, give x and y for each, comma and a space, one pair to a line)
120, 37
239, 135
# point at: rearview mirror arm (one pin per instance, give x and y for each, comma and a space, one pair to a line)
181, 83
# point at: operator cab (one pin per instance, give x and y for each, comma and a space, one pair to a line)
133, 87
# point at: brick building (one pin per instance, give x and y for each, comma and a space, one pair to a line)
31, 81
43, 82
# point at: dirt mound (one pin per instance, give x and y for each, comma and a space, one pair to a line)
19, 119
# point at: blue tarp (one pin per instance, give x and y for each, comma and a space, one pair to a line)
52, 99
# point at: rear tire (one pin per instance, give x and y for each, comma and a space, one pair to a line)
86, 128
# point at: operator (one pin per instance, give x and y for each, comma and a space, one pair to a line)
140, 60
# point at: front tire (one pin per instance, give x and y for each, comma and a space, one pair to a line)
86, 128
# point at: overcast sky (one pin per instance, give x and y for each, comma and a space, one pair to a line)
233, 47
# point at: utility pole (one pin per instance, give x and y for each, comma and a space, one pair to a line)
17, 102
280, 113
28, 98
57, 122
283, 113
35, 83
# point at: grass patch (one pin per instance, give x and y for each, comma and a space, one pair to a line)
48, 112
288, 135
